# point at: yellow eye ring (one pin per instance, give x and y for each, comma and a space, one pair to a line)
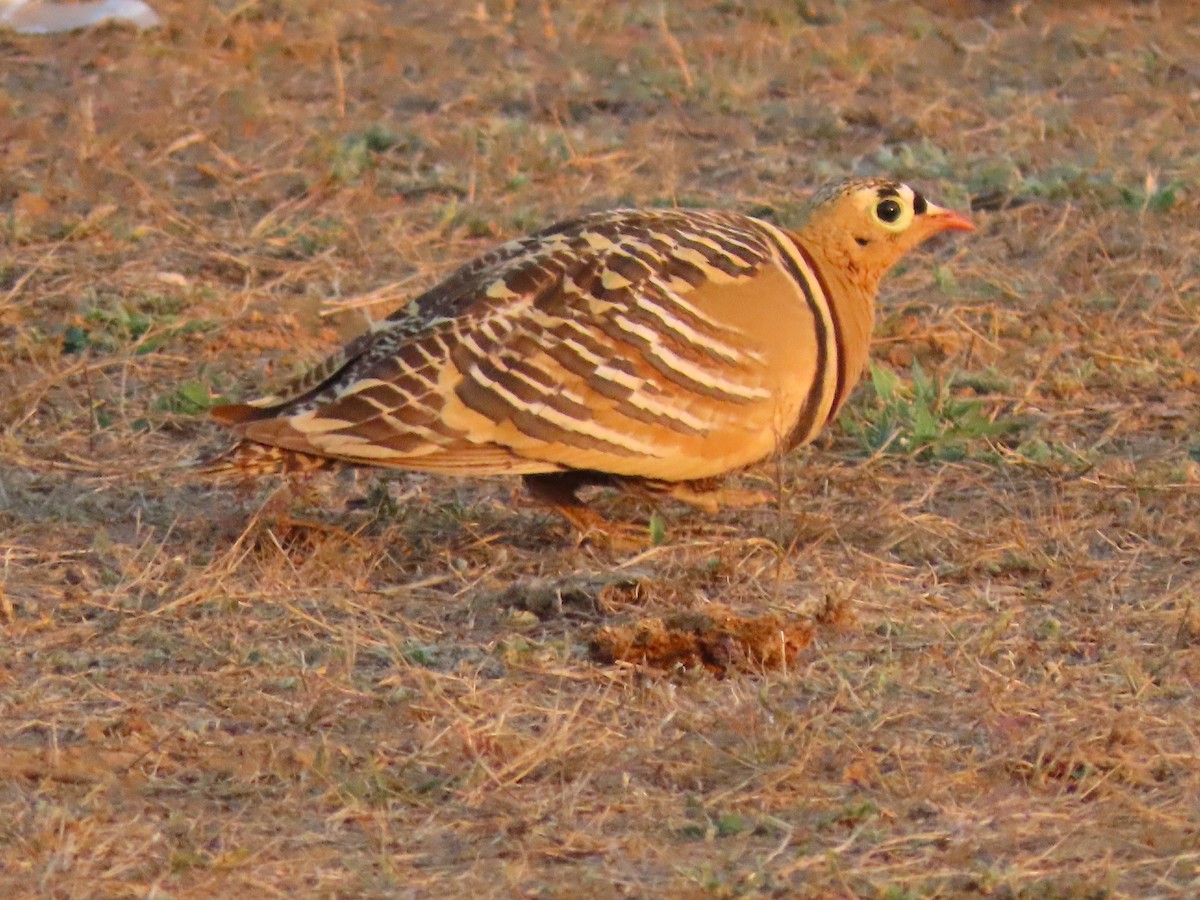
893, 214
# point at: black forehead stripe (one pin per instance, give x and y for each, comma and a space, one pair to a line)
919, 204
887, 191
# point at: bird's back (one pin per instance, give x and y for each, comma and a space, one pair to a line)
669, 344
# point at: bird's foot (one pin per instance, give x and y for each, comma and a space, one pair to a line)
710, 499
593, 528
557, 491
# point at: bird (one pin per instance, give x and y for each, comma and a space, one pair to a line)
655, 350
37, 17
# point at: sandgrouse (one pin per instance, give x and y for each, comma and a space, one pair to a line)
654, 350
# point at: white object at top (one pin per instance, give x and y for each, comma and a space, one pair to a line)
36, 17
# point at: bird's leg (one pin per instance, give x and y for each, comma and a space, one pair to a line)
705, 494
274, 510
558, 491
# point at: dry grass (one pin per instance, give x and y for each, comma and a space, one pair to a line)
200, 700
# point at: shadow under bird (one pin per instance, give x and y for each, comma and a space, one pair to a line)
652, 350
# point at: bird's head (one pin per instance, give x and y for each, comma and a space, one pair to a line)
865, 225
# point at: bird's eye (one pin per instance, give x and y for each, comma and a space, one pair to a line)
893, 214
888, 211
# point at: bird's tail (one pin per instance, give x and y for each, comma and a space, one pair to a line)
248, 459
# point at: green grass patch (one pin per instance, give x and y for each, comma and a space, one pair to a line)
143, 324
356, 153
924, 417
188, 398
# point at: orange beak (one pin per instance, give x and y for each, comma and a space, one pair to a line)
940, 219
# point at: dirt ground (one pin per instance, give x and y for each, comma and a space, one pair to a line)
391, 686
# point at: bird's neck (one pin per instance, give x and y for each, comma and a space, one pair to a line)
851, 294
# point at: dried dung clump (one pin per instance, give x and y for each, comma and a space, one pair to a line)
718, 641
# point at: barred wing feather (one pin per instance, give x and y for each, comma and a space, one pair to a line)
629, 342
